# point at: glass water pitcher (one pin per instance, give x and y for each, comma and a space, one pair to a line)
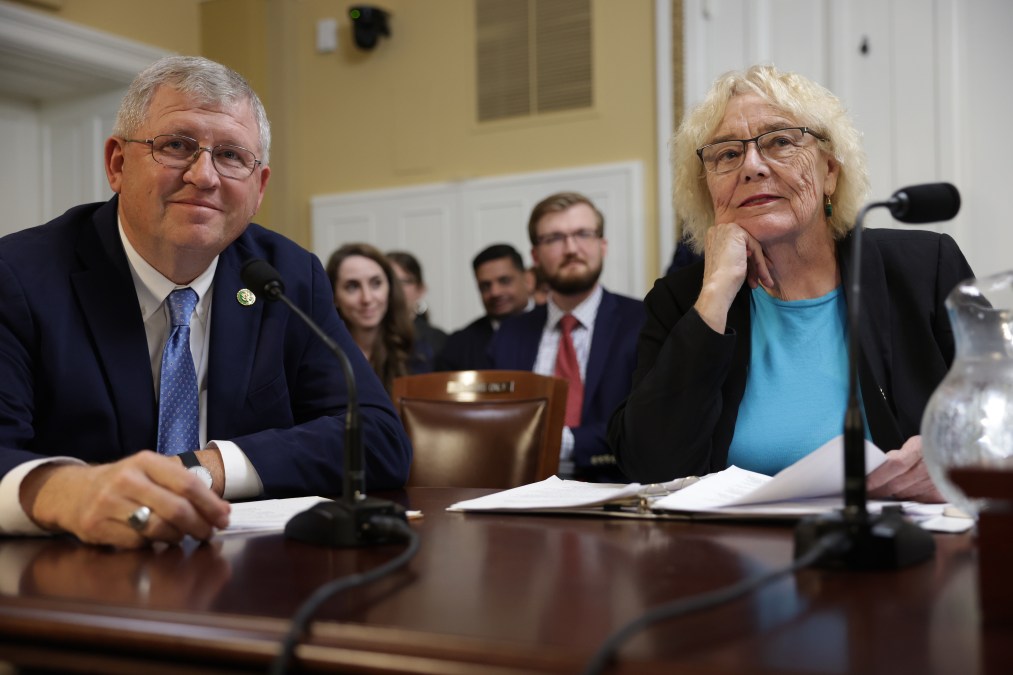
968, 421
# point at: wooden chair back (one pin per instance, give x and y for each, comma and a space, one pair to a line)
482, 428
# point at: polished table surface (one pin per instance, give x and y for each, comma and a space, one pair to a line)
491, 593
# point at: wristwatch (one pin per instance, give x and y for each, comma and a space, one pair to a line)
194, 466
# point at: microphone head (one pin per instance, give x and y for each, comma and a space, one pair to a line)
261, 277
927, 203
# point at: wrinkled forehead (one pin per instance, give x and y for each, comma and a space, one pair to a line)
169, 102
750, 114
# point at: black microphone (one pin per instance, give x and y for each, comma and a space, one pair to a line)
888, 540
345, 523
928, 203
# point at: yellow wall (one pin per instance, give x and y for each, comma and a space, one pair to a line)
404, 113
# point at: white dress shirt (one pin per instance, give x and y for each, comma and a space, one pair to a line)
241, 478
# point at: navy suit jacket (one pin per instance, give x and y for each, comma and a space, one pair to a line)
608, 378
75, 376
467, 349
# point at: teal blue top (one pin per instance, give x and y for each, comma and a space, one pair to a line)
797, 382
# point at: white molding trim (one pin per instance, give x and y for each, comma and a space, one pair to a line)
61, 43
663, 40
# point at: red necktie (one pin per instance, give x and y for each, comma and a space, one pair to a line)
568, 369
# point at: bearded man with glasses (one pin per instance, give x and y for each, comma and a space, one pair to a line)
583, 333
141, 385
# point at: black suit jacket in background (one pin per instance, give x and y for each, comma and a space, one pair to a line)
467, 349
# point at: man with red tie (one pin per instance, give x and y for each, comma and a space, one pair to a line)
584, 333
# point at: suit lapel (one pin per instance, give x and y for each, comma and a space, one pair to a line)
874, 340
105, 291
235, 330
874, 318
605, 326
527, 349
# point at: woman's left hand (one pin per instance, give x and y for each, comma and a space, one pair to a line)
904, 476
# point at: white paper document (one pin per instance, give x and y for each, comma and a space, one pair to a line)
818, 474
267, 515
556, 493
271, 515
810, 486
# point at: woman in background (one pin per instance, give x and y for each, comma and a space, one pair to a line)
370, 300
428, 338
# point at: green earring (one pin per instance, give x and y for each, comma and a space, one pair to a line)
828, 208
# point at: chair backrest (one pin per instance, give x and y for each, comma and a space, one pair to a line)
482, 428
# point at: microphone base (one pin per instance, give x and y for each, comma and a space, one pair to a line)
338, 524
882, 542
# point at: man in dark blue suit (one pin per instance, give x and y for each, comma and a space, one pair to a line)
500, 276
568, 245
84, 318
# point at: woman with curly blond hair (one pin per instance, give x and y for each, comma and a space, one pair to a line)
744, 356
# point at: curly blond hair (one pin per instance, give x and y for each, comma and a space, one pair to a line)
808, 103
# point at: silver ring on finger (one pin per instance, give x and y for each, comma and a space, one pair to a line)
138, 520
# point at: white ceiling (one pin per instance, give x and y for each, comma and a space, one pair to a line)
43, 59
25, 76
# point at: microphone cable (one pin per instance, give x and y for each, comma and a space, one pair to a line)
300, 620
703, 601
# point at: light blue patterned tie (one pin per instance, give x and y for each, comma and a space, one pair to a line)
178, 414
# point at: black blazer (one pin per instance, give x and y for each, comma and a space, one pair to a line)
680, 416
467, 349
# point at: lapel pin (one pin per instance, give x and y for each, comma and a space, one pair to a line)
246, 297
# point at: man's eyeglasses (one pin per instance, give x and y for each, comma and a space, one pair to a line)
775, 146
559, 238
179, 152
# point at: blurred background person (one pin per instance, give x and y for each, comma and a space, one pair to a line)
370, 299
538, 285
503, 285
584, 333
429, 339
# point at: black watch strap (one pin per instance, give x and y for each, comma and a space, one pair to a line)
189, 459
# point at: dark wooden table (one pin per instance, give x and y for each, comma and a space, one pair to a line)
492, 594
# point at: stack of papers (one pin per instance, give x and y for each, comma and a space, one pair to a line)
811, 486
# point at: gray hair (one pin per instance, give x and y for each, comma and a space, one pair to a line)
201, 79
808, 103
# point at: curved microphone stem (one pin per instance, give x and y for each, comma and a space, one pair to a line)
354, 480
855, 510
888, 540
353, 520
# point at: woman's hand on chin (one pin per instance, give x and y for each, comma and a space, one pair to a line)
731, 256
